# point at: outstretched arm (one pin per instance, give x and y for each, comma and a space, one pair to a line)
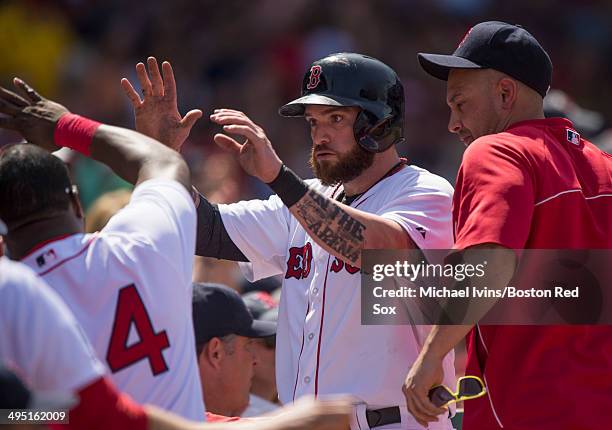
342, 230
426, 371
305, 414
131, 155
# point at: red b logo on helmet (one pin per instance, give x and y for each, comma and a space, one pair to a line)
315, 77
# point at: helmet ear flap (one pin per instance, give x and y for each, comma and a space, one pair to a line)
361, 127
370, 133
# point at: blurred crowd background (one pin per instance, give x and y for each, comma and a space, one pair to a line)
251, 55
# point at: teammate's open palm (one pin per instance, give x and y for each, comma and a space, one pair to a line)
156, 113
255, 154
30, 114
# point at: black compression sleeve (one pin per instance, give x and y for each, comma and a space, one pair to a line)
212, 239
288, 186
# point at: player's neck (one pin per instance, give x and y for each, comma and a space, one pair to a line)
383, 162
218, 400
523, 112
22, 240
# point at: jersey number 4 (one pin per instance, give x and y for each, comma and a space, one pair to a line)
131, 310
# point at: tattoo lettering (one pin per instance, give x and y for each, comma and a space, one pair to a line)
319, 199
332, 225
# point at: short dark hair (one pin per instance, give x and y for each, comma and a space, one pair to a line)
31, 181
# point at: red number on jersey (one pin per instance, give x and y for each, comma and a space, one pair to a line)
131, 309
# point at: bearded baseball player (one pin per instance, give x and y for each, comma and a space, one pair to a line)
312, 232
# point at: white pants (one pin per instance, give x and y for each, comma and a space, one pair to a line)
359, 421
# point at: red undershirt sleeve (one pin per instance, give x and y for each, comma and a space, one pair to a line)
101, 406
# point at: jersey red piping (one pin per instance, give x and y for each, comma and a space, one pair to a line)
45, 242
399, 167
394, 171
297, 374
357, 205
321, 327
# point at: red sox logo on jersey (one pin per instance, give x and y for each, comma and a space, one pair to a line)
338, 265
299, 262
573, 137
315, 77
45, 258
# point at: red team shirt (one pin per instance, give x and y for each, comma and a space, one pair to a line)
537, 185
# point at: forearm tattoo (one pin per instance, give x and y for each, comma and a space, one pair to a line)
326, 220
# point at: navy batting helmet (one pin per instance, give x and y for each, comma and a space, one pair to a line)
348, 79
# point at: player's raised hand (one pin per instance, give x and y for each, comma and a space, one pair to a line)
255, 154
30, 114
156, 113
424, 374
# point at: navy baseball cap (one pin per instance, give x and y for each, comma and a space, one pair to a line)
3, 229
507, 48
219, 311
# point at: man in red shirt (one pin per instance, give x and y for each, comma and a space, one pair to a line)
525, 182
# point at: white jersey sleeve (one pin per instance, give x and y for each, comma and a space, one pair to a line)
260, 229
172, 234
423, 209
39, 337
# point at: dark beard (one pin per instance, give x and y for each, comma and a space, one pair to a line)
348, 167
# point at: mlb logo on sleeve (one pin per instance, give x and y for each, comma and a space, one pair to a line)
46, 258
573, 137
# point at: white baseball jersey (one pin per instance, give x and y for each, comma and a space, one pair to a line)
39, 337
322, 348
129, 286
258, 406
